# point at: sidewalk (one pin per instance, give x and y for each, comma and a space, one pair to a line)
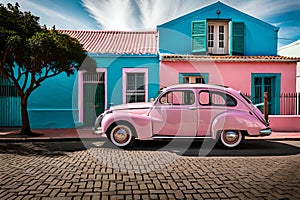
11, 134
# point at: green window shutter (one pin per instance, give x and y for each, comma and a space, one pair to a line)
199, 36
237, 38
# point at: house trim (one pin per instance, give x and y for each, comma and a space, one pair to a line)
124, 80
220, 6
81, 92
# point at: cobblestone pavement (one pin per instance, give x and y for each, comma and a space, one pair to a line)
96, 170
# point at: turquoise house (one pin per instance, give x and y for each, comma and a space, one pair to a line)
218, 29
121, 67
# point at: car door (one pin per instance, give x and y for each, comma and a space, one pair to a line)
212, 103
175, 114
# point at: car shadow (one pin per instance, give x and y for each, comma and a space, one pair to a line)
179, 147
204, 148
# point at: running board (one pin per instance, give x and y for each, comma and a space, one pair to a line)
180, 137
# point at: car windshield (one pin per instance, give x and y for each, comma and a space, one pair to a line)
158, 93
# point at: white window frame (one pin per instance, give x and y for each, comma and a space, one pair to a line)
216, 49
125, 71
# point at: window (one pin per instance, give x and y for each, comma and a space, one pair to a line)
216, 99
190, 78
178, 98
193, 79
213, 37
135, 89
217, 37
135, 85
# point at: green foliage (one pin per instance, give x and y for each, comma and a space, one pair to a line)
29, 53
34, 53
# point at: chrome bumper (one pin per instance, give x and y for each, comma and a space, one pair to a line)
98, 130
265, 132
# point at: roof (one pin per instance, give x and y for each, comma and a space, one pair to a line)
205, 58
116, 42
217, 6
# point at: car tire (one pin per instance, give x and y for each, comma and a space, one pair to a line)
121, 135
230, 138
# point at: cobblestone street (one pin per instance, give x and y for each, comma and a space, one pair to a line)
96, 170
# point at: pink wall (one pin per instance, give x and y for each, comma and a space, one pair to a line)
284, 123
232, 74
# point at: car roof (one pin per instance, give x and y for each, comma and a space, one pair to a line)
198, 86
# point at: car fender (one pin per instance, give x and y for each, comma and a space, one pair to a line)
237, 120
140, 123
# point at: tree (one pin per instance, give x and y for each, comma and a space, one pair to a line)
30, 54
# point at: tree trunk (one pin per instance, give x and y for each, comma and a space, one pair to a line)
25, 118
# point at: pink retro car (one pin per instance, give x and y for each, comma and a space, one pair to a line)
185, 111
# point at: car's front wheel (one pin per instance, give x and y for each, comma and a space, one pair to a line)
121, 135
231, 138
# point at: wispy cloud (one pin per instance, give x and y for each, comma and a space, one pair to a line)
112, 14
50, 15
266, 8
145, 14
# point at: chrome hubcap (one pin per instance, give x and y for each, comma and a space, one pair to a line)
120, 135
231, 136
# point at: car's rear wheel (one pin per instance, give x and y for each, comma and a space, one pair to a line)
121, 135
231, 138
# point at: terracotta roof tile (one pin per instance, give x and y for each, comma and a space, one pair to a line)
116, 42
205, 58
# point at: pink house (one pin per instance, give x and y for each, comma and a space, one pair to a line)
221, 45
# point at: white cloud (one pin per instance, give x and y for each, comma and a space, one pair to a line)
266, 8
50, 15
112, 14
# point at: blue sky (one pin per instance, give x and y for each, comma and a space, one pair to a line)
146, 14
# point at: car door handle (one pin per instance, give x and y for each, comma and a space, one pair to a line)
192, 108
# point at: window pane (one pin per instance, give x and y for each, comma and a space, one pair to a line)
221, 44
130, 81
204, 98
257, 81
221, 36
135, 87
221, 29
186, 80
178, 98
200, 80
217, 99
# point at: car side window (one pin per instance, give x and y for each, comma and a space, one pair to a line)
216, 98
178, 98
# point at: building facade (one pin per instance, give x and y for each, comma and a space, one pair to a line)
221, 45
216, 44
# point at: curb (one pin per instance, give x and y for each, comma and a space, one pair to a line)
60, 139
46, 139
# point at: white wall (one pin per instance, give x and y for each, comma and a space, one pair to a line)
292, 50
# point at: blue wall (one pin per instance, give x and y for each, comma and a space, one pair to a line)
50, 105
260, 37
114, 67
55, 103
